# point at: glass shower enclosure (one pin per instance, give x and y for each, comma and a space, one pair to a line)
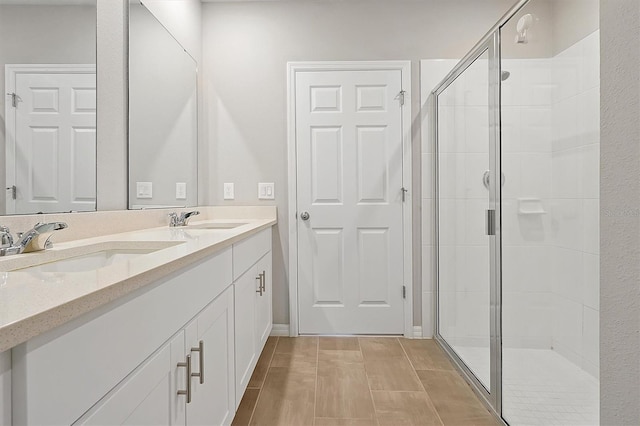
516, 132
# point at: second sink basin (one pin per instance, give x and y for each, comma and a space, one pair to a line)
218, 225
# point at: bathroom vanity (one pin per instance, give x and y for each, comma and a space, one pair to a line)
167, 330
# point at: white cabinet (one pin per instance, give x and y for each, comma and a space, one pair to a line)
126, 362
253, 305
264, 303
142, 397
205, 397
213, 389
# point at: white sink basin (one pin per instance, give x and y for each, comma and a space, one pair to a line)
219, 225
88, 262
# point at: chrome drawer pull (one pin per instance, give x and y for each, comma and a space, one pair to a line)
186, 392
260, 289
200, 350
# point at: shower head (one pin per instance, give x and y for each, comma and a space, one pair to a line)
504, 75
524, 24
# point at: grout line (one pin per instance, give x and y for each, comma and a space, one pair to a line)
264, 380
433, 407
315, 390
373, 402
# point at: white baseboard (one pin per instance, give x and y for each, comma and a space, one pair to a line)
283, 330
280, 330
417, 332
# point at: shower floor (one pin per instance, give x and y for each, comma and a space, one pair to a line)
540, 387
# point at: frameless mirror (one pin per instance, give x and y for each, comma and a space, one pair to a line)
162, 116
48, 107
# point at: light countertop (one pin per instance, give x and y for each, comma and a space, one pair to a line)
34, 302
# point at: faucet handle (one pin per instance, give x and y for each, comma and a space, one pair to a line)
6, 239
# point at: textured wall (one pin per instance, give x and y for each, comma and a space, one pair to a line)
620, 218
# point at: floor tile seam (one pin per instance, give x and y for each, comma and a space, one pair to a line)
373, 402
263, 381
315, 390
431, 404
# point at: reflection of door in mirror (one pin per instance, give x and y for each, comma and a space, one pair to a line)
48, 140
51, 138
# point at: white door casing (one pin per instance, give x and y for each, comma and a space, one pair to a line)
51, 138
351, 161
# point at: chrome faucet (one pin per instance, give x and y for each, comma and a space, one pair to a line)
182, 219
35, 239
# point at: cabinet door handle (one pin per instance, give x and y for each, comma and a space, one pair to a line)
263, 281
200, 350
186, 392
260, 289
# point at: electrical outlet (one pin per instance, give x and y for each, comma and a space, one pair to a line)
181, 190
228, 191
144, 190
266, 191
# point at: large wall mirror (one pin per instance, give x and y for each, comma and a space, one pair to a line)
163, 127
48, 107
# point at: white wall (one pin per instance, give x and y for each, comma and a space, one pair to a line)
42, 35
620, 206
247, 46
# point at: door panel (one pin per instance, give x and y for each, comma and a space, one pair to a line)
349, 165
55, 142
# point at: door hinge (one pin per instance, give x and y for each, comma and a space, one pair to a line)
401, 96
14, 99
404, 191
404, 291
14, 191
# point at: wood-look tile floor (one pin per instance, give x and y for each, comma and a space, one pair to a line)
357, 381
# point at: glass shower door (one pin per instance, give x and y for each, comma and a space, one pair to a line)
466, 164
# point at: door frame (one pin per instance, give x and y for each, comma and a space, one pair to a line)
11, 71
407, 225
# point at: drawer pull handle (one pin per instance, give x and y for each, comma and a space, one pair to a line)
263, 281
200, 350
260, 289
186, 392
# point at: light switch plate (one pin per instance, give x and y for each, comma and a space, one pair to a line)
181, 190
266, 191
229, 191
144, 190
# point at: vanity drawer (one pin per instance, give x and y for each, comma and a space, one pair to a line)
249, 251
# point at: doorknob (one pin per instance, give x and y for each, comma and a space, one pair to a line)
304, 216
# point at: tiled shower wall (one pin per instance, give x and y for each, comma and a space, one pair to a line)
550, 141
575, 166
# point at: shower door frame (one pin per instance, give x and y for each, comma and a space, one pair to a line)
493, 396
490, 43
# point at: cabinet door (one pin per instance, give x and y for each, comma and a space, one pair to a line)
264, 316
147, 396
213, 400
246, 339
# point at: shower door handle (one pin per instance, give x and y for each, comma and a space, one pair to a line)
491, 222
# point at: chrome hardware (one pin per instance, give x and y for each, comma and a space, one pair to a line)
404, 193
200, 350
187, 391
182, 219
263, 281
400, 96
304, 216
14, 191
486, 179
14, 99
260, 289
35, 239
6, 239
491, 222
